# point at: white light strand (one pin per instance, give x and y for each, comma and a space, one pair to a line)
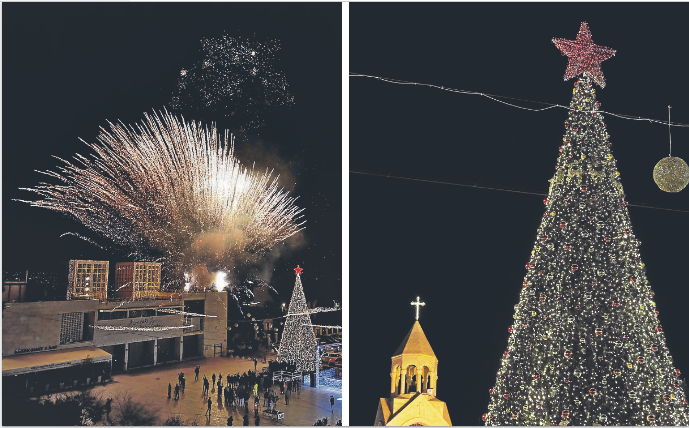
492, 97
190, 314
120, 328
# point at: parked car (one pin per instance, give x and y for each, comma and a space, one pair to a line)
328, 356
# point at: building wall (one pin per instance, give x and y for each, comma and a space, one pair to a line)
215, 329
30, 327
35, 326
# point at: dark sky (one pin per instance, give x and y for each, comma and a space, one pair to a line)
69, 67
463, 250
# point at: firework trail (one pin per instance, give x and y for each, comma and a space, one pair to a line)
172, 190
235, 78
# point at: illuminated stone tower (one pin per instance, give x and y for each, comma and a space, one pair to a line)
137, 280
88, 279
413, 378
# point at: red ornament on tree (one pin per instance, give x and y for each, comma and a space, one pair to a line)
568, 354
592, 391
536, 376
565, 414
640, 360
506, 396
677, 372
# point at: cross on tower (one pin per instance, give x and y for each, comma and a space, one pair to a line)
417, 304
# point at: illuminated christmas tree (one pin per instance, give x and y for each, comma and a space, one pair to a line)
298, 344
586, 346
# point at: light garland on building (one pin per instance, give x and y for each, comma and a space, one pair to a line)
122, 328
186, 314
586, 346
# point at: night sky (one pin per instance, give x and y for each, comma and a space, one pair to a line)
462, 249
68, 68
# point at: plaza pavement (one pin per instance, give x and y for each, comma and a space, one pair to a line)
149, 385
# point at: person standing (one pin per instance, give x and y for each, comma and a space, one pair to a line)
213, 379
257, 421
332, 404
229, 421
265, 399
208, 412
196, 370
184, 382
108, 406
246, 419
288, 393
255, 363
169, 390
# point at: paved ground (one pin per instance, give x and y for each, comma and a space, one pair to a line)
149, 385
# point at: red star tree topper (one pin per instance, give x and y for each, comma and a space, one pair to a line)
584, 55
298, 270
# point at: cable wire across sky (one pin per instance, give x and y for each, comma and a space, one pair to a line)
495, 98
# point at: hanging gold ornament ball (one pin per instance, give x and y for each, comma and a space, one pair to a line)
671, 174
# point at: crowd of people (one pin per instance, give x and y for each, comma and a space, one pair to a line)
241, 391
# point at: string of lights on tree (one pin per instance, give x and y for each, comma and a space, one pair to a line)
587, 346
298, 344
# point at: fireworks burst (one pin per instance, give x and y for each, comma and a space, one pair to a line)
173, 191
235, 78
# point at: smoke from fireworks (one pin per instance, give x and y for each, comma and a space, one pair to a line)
174, 192
235, 78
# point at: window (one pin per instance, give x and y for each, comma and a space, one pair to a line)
138, 313
111, 315
72, 327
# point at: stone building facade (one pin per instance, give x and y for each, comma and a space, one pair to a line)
133, 334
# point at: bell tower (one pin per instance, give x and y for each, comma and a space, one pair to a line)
413, 377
